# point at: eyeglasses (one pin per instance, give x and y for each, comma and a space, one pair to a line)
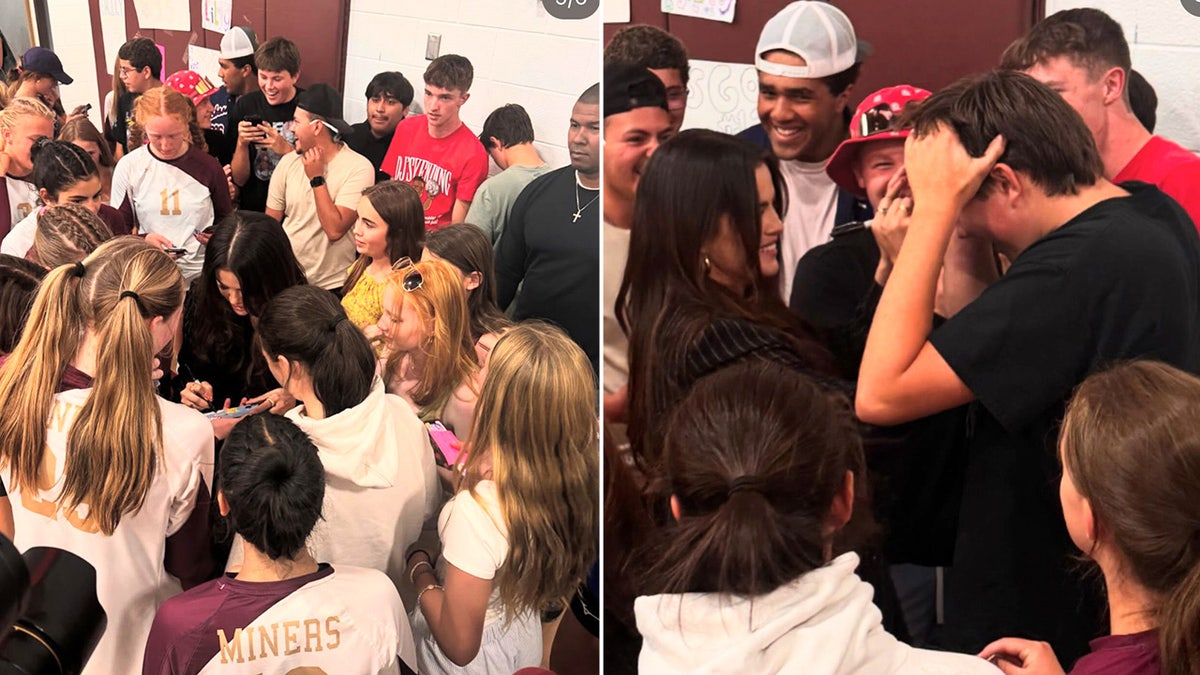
413, 280
877, 120
125, 71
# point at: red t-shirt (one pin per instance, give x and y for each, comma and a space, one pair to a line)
442, 170
1172, 168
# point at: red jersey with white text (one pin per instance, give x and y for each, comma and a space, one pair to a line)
442, 170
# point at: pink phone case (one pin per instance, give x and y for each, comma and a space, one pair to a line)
444, 438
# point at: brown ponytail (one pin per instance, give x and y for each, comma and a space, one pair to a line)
1131, 442
755, 456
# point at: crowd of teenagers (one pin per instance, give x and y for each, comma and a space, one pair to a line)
905, 385
309, 396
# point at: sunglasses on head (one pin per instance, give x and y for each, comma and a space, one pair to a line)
413, 280
877, 120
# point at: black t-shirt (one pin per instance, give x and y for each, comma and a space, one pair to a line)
218, 146
364, 143
835, 292
120, 130
1119, 281
262, 160
557, 257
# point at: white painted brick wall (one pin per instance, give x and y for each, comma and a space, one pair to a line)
1164, 43
520, 53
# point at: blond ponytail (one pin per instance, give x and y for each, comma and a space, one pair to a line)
114, 444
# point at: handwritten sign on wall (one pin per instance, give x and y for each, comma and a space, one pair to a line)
715, 10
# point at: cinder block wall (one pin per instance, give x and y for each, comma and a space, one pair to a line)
520, 53
1164, 42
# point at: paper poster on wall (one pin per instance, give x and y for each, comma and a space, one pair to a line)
715, 10
615, 11
204, 61
163, 14
217, 15
721, 96
112, 30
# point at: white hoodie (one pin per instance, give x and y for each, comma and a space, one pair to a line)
823, 623
380, 483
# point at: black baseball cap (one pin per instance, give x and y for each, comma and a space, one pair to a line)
628, 86
325, 101
42, 60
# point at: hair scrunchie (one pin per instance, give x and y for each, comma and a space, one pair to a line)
79, 270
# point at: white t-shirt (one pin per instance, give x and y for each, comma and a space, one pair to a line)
475, 539
811, 209
346, 176
22, 198
20, 238
131, 581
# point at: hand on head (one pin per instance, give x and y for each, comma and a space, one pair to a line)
941, 173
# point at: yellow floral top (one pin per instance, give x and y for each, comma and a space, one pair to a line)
364, 302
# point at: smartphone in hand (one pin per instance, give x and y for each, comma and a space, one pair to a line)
445, 452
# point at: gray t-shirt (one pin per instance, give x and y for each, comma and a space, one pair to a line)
495, 197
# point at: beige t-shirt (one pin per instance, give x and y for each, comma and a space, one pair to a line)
346, 176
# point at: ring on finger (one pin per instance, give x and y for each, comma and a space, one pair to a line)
882, 210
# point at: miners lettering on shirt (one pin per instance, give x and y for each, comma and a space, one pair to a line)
282, 638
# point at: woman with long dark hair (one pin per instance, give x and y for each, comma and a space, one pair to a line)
247, 262
698, 295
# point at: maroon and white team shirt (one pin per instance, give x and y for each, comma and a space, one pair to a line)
343, 620
176, 198
131, 577
441, 170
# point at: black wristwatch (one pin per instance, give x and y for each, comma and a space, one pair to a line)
316, 182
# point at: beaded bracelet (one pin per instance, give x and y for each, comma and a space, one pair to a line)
430, 587
412, 574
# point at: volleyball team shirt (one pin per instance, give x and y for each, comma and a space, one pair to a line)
131, 580
175, 198
441, 170
20, 196
336, 620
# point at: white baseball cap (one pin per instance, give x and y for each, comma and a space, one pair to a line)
817, 32
238, 42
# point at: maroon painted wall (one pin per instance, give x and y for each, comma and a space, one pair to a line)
928, 43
